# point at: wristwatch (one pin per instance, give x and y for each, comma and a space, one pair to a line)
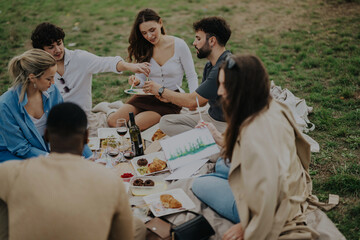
161, 90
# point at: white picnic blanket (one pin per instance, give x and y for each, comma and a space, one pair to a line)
317, 219
299, 109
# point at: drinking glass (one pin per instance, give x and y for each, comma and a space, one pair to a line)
129, 154
96, 155
112, 151
111, 154
121, 129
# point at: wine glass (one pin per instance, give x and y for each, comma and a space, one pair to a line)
112, 151
129, 155
121, 129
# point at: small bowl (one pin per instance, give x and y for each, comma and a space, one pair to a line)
127, 179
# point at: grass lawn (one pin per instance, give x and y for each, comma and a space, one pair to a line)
311, 47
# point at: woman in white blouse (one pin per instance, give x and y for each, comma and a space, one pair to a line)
170, 58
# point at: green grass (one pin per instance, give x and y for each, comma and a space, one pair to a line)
317, 57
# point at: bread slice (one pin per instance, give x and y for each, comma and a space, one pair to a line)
169, 201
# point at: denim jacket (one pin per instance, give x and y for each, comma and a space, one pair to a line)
19, 137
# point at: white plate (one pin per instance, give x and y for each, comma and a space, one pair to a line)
137, 91
149, 157
159, 210
94, 143
159, 186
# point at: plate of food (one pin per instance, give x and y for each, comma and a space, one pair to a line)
150, 164
169, 202
142, 186
94, 143
137, 91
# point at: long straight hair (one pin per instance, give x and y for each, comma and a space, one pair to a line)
35, 61
140, 48
247, 93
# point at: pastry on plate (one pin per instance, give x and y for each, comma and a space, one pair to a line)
149, 183
158, 135
138, 182
169, 201
156, 165
142, 162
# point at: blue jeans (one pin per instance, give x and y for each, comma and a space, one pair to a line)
214, 190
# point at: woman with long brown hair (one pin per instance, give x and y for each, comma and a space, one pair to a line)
169, 57
268, 156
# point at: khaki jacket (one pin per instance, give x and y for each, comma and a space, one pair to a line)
63, 196
269, 177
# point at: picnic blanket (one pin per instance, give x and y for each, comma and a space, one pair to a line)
299, 109
98, 116
316, 219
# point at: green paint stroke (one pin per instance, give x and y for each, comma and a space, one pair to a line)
191, 149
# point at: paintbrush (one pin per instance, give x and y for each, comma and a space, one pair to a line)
198, 108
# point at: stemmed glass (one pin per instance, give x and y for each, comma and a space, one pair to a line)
112, 152
121, 129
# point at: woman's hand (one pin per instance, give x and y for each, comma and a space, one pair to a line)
151, 87
214, 132
236, 232
133, 80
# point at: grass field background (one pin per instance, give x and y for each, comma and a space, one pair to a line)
311, 47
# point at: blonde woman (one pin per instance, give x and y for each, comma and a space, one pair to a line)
25, 106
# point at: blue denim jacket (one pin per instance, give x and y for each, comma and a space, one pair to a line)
19, 137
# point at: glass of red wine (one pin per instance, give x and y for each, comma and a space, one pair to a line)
121, 129
128, 155
112, 153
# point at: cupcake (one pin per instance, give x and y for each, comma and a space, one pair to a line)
149, 183
138, 182
142, 162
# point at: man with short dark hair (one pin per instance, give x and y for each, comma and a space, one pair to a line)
63, 196
75, 68
212, 34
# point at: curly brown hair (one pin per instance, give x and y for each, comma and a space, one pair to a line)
45, 34
214, 26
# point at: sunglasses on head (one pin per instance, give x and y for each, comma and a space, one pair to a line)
230, 62
66, 88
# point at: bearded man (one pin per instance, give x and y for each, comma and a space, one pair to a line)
211, 36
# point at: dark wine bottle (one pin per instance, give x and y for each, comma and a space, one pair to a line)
135, 137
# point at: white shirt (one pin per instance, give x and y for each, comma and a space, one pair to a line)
40, 123
172, 71
79, 66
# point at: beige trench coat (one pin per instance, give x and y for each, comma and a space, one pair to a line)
269, 177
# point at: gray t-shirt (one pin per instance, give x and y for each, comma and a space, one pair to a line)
208, 87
